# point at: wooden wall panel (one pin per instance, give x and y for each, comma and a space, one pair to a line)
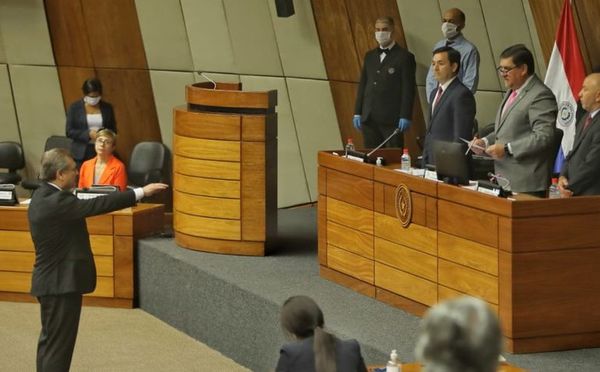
68, 33
337, 44
71, 80
588, 13
344, 97
350, 215
546, 14
362, 15
116, 40
350, 264
130, 92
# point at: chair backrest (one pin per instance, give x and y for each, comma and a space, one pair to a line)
11, 156
58, 142
149, 162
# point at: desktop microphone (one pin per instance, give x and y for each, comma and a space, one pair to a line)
396, 131
500, 180
209, 79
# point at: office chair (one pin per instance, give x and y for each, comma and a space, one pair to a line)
52, 142
12, 159
149, 162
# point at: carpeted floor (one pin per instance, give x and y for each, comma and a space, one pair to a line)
112, 340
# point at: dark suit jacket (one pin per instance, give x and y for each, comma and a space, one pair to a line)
63, 257
77, 127
299, 357
452, 118
582, 164
386, 91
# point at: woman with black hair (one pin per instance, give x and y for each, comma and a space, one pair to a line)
85, 117
314, 349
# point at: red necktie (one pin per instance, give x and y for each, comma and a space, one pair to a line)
587, 123
438, 96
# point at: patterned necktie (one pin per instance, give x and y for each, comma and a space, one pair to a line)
437, 98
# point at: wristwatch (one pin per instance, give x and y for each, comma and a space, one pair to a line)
506, 150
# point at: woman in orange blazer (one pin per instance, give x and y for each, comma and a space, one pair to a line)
105, 168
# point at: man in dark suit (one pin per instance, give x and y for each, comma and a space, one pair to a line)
522, 143
579, 175
64, 267
386, 90
452, 110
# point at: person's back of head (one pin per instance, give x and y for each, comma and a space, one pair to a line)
301, 317
462, 334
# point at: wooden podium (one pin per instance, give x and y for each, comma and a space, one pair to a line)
412, 242
113, 238
225, 169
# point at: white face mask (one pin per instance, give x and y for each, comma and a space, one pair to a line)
92, 100
449, 30
382, 37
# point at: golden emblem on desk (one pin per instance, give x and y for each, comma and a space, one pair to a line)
403, 205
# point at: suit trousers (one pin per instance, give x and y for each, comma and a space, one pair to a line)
60, 322
375, 133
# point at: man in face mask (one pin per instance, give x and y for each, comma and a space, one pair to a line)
453, 22
386, 90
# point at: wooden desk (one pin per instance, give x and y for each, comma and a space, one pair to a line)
535, 261
416, 367
112, 237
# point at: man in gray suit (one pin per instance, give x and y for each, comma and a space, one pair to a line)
522, 142
452, 110
64, 266
579, 175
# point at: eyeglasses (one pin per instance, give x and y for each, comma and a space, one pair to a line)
505, 70
104, 141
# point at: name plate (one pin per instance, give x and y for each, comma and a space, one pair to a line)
6, 195
355, 158
88, 195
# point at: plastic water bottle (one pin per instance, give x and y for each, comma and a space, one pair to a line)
405, 161
553, 192
349, 146
392, 364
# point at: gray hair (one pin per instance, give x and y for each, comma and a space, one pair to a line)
53, 161
462, 334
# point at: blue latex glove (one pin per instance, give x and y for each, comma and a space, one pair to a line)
404, 124
356, 122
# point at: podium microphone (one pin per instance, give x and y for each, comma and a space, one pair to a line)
396, 131
209, 79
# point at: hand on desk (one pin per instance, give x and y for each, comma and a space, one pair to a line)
153, 188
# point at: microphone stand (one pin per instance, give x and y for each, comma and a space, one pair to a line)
368, 155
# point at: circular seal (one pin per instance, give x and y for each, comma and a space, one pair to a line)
403, 205
566, 113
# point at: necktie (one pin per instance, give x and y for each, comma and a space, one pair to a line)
587, 123
437, 98
449, 42
511, 99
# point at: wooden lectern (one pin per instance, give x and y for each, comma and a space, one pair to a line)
225, 169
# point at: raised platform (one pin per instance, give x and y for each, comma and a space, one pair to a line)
232, 303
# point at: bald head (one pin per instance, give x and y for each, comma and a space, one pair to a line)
456, 16
590, 92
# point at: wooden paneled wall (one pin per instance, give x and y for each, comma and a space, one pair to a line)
102, 39
346, 32
586, 13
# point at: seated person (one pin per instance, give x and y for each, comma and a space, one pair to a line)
105, 168
314, 349
460, 335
